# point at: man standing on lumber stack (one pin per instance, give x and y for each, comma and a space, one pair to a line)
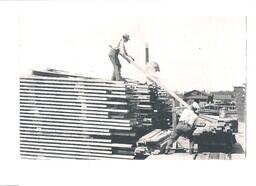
185, 126
113, 55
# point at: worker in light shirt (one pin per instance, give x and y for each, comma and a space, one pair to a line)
113, 55
154, 70
185, 126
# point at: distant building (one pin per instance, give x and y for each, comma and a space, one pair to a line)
201, 97
225, 97
240, 99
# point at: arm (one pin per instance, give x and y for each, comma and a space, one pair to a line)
123, 52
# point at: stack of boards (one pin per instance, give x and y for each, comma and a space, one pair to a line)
153, 142
74, 117
214, 135
162, 104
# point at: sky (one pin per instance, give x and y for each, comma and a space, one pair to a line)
205, 53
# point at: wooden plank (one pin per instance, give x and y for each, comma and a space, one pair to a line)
54, 134
71, 87
62, 156
161, 84
109, 110
96, 126
149, 135
81, 126
46, 99
214, 155
66, 152
49, 157
109, 95
58, 111
63, 138
203, 156
46, 141
71, 102
77, 119
52, 90
64, 149
81, 154
63, 115
63, 106
70, 83
62, 128
73, 94
72, 79
75, 110
66, 145
61, 132
69, 121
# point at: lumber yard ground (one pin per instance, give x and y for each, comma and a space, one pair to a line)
238, 150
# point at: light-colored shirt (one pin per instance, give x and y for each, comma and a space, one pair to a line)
121, 47
188, 116
152, 71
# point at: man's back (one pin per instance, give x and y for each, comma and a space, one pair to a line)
188, 116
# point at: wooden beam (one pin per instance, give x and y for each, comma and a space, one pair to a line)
81, 126
62, 128
64, 149
64, 145
46, 141
70, 83
71, 87
160, 83
79, 120
62, 132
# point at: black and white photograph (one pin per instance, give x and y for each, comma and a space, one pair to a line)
146, 88
159, 87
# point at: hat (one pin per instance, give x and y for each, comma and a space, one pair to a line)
126, 36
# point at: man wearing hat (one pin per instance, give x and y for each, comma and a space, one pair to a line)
185, 126
113, 55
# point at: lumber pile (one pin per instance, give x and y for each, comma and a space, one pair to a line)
69, 116
214, 135
162, 106
153, 142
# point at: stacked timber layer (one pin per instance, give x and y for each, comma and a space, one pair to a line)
214, 134
63, 116
162, 104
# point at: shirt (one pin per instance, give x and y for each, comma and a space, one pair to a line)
152, 71
188, 116
121, 48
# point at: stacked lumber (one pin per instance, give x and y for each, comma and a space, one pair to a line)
153, 142
142, 109
213, 135
76, 117
162, 107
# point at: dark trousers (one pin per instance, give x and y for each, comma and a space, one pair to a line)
182, 129
113, 55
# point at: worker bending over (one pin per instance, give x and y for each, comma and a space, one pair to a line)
185, 126
113, 55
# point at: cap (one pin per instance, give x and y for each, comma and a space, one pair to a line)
126, 36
